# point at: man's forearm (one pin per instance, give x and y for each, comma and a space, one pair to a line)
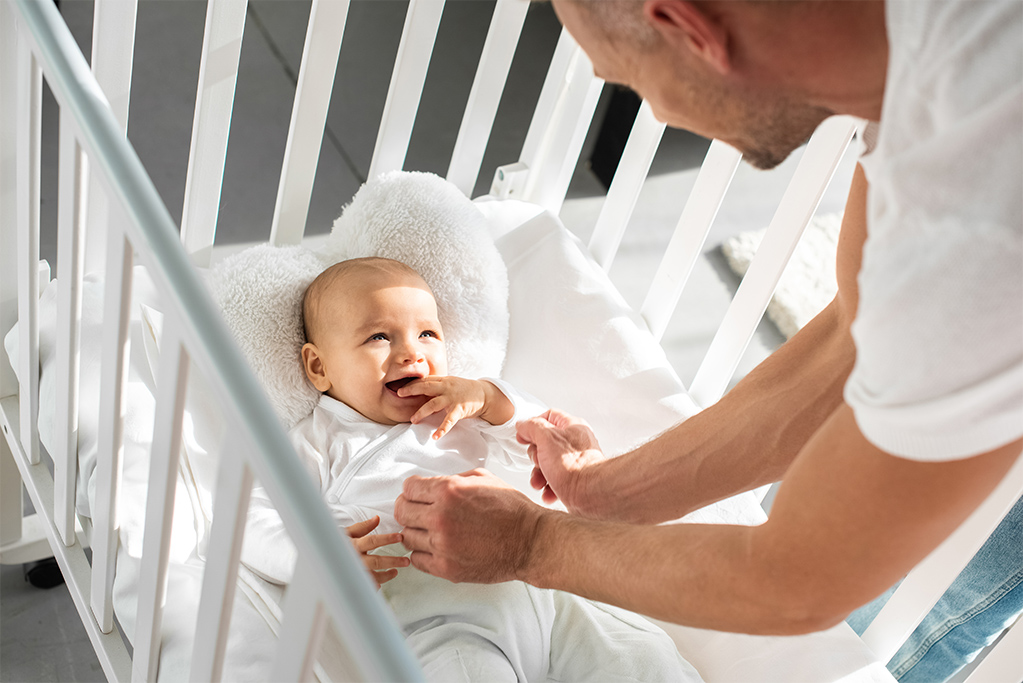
747, 439
848, 522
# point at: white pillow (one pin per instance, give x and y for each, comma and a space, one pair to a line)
574, 343
426, 223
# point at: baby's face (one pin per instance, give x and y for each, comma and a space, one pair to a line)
380, 331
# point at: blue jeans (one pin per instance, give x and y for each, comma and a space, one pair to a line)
985, 598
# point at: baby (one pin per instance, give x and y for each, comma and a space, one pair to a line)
390, 410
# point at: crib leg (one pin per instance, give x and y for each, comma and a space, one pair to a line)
22, 539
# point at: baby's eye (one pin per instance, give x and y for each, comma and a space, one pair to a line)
380, 336
429, 333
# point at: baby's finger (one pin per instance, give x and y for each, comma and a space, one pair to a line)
383, 577
377, 541
453, 416
360, 529
434, 405
424, 386
378, 563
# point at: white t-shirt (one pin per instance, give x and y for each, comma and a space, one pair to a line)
939, 330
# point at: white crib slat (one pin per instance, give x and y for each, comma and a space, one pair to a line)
9, 106
113, 51
30, 90
919, 592
553, 143
163, 469
550, 94
234, 484
406, 88
305, 621
308, 117
1004, 663
485, 96
71, 207
821, 157
690, 234
113, 381
214, 103
626, 186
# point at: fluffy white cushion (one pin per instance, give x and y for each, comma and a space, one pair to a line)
416, 218
260, 290
425, 222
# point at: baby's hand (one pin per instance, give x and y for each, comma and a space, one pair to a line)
382, 567
461, 398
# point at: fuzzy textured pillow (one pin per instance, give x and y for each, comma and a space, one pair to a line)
416, 218
426, 223
260, 293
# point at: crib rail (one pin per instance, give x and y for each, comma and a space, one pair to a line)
197, 337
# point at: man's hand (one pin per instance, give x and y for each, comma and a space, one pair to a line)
460, 398
382, 567
561, 448
470, 527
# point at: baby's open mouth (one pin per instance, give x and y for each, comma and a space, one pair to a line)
396, 384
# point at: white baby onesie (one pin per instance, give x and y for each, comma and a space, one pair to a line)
503, 632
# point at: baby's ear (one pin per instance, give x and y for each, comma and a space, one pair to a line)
314, 369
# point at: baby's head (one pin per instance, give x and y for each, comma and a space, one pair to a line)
371, 327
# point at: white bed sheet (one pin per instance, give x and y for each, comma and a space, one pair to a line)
605, 367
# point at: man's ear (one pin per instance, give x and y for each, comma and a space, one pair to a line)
684, 24
314, 369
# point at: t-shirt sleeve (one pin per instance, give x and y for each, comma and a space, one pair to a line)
939, 327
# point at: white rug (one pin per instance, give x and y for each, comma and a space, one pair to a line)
808, 283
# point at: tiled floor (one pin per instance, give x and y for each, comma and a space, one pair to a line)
41, 638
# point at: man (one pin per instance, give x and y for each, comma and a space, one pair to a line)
889, 418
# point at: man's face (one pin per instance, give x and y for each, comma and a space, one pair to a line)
685, 92
380, 333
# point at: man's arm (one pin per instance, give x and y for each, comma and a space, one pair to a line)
849, 520
751, 436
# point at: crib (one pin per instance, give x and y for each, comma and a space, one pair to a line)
111, 220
